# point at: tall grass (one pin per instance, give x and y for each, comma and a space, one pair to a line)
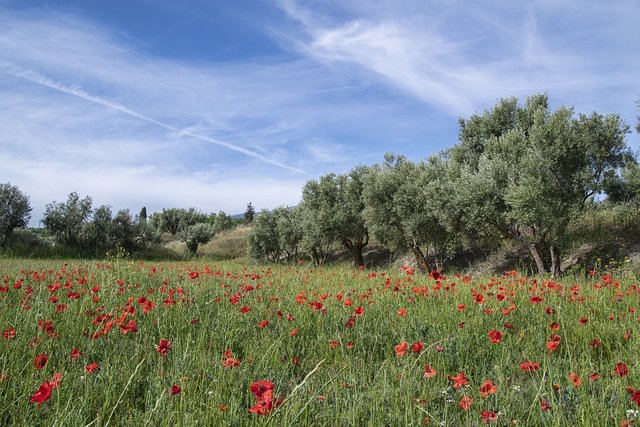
328, 373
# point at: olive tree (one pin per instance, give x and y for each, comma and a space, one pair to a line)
15, 210
524, 172
331, 211
65, 220
401, 204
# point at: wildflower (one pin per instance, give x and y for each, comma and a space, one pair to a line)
621, 369
465, 402
163, 347
489, 416
529, 366
175, 389
459, 380
417, 347
42, 394
401, 349
92, 367
39, 361
495, 336
75, 353
429, 371
488, 387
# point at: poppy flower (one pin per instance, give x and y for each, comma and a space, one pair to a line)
465, 402
459, 380
429, 371
575, 380
529, 366
75, 353
92, 367
554, 342
42, 394
175, 389
544, 405
417, 347
40, 360
401, 349
163, 347
495, 336
129, 327
294, 332
636, 397
263, 324
402, 312
488, 387
621, 369
9, 333
488, 416
55, 380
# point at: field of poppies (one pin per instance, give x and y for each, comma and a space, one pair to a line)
191, 343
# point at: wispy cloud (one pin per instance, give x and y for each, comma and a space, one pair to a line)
37, 78
461, 57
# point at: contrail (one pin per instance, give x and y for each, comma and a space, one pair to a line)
34, 77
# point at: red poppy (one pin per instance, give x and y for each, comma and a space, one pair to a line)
529, 366
9, 333
636, 397
401, 349
163, 347
245, 309
263, 324
621, 369
489, 416
465, 402
594, 376
417, 347
554, 342
459, 380
359, 311
92, 367
583, 320
495, 336
75, 353
40, 360
429, 371
544, 405
576, 381
294, 332
42, 394
595, 343
175, 389
555, 326
488, 387
129, 327
402, 312
55, 380
535, 299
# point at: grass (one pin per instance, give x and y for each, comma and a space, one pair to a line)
328, 373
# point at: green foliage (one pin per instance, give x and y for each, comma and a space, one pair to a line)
401, 200
15, 211
331, 210
64, 220
526, 172
194, 235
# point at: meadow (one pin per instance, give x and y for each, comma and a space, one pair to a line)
203, 343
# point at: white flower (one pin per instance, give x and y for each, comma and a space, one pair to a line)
633, 413
517, 388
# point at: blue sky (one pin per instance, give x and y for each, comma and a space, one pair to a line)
214, 104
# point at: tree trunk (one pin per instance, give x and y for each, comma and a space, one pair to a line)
423, 264
358, 258
555, 262
536, 257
